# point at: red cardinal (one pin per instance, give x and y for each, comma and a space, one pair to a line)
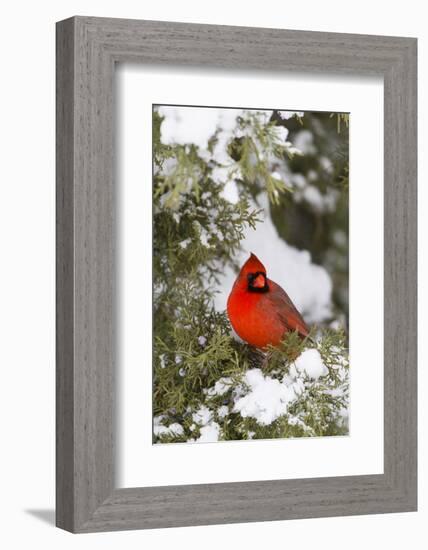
260, 310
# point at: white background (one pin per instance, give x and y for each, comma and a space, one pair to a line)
27, 274
362, 451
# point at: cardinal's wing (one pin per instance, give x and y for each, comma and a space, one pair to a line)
286, 310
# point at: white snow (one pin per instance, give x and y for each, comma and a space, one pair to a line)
197, 125
220, 387
185, 243
222, 411
202, 341
304, 141
209, 429
292, 149
330, 200
298, 180
267, 398
314, 197
202, 416
209, 433
310, 363
161, 429
204, 236
285, 115
312, 175
326, 164
168, 166
281, 133
182, 125
186, 125
230, 192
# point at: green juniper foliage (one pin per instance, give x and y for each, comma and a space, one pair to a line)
205, 381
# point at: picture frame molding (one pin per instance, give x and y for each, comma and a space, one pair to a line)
87, 50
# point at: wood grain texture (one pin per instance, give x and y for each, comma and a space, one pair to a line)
64, 277
87, 49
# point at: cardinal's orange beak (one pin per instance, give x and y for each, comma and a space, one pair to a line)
259, 281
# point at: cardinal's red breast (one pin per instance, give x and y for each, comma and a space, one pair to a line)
259, 309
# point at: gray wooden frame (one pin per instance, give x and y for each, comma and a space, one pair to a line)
87, 50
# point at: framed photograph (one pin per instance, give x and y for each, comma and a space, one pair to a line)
220, 186
236, 274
